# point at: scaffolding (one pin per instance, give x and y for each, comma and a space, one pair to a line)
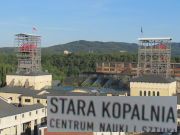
28, 53
154, 55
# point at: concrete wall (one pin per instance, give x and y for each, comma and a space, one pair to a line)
9, 131
44, 81
173, 88
38, 82
165, 89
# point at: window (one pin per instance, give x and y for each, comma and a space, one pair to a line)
36, 112
42, 110
158, 93
178, 111
15, 117
140, 93
144, 93
22, 115
149, 93
29, 113
27, 100
154, 93
38, 101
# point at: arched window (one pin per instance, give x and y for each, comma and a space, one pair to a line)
140, 93
158, 93
154, 93
144, 93
149, 93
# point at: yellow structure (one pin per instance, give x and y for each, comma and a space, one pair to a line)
35, 81
152, 85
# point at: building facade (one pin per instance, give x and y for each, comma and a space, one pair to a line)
152, 85
17, 120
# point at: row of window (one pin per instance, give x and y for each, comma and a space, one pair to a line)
149, 93
29, 100
29, 114
26, 100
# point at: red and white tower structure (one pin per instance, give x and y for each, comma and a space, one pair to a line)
154, 56
28, 49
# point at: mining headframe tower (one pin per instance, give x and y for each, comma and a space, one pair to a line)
154, 56
29, 73
28, 53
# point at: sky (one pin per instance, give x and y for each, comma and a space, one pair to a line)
62, 21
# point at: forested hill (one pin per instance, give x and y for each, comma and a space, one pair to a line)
94, 46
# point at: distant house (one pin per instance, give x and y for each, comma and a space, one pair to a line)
66, 52
122, 51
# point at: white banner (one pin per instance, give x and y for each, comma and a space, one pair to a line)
111, 114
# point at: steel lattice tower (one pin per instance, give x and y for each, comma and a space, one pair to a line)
154, 55
28, 53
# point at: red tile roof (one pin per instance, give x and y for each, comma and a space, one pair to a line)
67, 133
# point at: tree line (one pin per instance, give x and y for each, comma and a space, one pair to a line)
62, 66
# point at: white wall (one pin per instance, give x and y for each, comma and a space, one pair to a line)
8, 125
39, 81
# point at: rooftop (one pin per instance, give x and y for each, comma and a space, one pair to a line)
59, 91
153, 79
27, 35
163, 38
31, 73
19, 90
7, 109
